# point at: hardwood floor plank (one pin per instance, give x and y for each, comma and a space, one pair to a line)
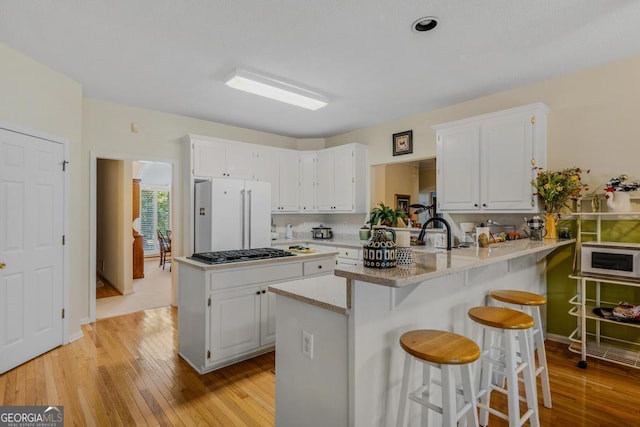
126, 371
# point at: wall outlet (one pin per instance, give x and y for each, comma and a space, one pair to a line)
307, 344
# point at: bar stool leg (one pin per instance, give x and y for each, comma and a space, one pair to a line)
448, 395
404, 390
426, 380
469, 393
511, 364
541, 368
486, 373
529, 377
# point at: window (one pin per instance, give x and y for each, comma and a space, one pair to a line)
155, 214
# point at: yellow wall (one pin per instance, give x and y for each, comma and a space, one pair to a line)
401, 179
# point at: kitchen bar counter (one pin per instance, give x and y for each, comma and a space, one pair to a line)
345, 368
430, 265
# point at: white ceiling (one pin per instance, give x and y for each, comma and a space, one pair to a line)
173, 55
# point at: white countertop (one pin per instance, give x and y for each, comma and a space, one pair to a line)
299, 257
328, 291
430, 265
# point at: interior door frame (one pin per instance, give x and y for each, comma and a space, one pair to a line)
65, 214
93, 181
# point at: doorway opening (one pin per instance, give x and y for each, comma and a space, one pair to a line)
132, 207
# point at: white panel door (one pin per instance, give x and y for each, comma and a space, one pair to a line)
31, 252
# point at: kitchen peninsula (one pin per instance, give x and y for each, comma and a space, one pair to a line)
342, 365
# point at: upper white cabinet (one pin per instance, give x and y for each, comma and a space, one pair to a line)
341, 179
219, 158
307, 177
485, 163
329, 180
288, 182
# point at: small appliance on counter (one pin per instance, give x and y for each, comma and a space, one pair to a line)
322, 232
288, 231
611, 259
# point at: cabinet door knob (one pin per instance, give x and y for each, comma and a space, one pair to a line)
2, 265
264, 291
257, 292
319, 266
484, 205
475, 205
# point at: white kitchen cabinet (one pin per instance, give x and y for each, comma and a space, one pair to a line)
279, 168
341, 179
218, 158
267, 316
234, 323
288, 181
227, 314
485, 163
307, 178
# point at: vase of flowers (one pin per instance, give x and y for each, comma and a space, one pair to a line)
556, 189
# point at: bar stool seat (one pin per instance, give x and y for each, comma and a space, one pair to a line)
443, 350
530, 303
514, 327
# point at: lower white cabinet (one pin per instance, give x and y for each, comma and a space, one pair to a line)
227, 314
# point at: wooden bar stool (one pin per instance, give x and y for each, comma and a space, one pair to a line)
530, 303
514, 327
443, 350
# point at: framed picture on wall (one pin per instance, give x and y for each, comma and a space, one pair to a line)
402, 202
403, 143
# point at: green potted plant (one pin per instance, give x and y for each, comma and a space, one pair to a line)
386, 215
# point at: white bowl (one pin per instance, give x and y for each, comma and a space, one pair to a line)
467, 227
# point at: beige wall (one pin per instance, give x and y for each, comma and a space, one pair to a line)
593, 121
36, 97
113, 225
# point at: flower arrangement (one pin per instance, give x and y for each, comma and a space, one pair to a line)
556, 188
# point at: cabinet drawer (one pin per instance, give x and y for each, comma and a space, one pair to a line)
350, 253
255, 275
320, 266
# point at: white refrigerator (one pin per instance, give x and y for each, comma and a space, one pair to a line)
231, 214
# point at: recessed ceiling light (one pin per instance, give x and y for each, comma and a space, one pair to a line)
427, 23
275, 89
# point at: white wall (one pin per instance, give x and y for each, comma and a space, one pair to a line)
593, 121
41, 99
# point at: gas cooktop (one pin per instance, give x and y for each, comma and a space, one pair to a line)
240, 255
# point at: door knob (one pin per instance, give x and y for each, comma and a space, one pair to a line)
2, 265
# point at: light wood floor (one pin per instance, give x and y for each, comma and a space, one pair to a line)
126, 371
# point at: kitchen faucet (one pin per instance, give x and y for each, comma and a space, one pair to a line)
436, 219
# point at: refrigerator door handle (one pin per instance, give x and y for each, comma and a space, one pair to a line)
244, 219
250, 219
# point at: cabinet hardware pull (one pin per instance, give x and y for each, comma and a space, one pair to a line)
2, 265
257, 292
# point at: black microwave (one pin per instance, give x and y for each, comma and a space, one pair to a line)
611, 259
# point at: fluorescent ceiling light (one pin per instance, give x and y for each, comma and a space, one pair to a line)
275, 89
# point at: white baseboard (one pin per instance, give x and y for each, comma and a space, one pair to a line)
85, 320
76, 336
558, 338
